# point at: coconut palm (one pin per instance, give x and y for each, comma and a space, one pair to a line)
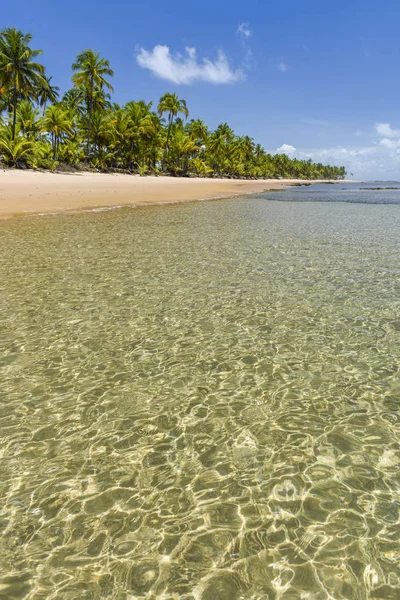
216, 148
28, 119
201, 167
73, 98
47, 93
57, 122
86, 126
5, 101
198, 130
225, 131
183, 147
144, 127
20, 75
120, 132
171, 104
100, 131
70, 152
15, 151
91, 72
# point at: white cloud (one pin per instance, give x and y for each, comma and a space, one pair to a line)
245, 33
244, 30
282, 66
286, 149
187, 69
386, 130
387, 143
377, 161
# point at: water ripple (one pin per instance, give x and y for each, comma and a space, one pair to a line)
201, 402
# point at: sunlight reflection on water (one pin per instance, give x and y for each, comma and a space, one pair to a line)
201, 402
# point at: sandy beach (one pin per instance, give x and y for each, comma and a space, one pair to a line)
31, 192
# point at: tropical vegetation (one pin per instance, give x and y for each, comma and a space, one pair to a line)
84, 128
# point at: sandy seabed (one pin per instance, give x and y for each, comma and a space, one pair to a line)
32, 192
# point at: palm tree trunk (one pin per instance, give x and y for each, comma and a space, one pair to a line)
166, 143
14, 123
131, 155
88, 133
90, 107
185, 165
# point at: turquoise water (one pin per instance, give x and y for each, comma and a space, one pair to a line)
201, 401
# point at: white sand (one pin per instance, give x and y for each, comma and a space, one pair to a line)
31, 192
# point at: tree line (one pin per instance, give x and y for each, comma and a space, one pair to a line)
83, 128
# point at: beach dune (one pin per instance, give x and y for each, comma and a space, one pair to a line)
32, 192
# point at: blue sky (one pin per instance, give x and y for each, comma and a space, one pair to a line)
316, 79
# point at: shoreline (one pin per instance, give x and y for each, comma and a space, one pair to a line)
25, 193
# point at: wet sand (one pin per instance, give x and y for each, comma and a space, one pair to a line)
30, 192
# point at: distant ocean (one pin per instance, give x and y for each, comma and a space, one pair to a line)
343, 192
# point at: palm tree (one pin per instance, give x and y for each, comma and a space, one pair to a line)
182, 148
226, 131
73, 98
217, 147
198, 130
120, 131
171, 104
28, 119
70, 152
86, 126
90, 74
15, 150
20, 75
48, 93
100, 131
57, 122
5, 101
201, 167
143, 126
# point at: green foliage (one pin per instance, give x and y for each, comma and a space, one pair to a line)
85, 128
57, 121
41, 156
90, 78
15, 152
28, 119
171, 104
20, 76
143, 170
200, 167
47, 92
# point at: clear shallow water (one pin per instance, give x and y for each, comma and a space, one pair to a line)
201, 402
